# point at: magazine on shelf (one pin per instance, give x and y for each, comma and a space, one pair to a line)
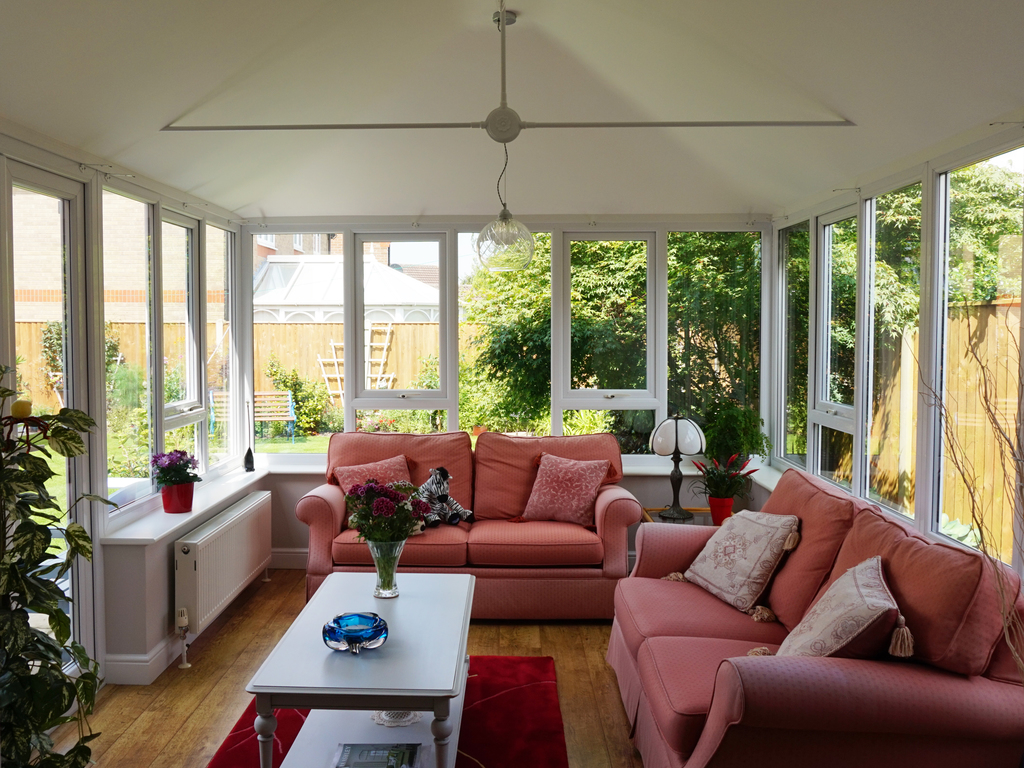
376, 756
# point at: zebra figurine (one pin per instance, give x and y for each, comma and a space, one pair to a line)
443, 508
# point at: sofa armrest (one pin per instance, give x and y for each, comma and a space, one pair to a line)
869, 704
323, 510
615, 509
662, 548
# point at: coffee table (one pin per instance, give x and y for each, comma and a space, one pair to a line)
422, 667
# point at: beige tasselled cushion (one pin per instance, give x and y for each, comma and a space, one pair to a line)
854, 619
738, 561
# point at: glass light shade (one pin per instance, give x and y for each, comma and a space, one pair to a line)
673, 433
505, 244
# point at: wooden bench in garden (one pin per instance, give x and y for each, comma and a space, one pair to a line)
275, 406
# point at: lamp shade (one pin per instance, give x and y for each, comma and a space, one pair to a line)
679, 434
505, 244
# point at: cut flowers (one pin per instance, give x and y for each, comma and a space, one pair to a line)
385, 512
723, 481
175, 468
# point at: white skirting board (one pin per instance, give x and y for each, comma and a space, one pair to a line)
139, 668
288, 559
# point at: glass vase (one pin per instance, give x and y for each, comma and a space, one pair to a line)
385, 558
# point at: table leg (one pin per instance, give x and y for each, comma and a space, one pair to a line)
442, 728
265, 725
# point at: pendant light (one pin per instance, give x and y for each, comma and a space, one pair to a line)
505, 244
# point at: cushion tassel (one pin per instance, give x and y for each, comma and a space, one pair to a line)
762, 613
674, 576
902, 643
761, 651
791, 541
517, 519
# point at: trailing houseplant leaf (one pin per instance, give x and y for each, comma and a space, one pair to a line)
44, 674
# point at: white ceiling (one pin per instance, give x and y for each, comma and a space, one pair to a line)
107, 76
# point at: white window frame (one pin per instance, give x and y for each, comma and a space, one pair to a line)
297, 243
267, 240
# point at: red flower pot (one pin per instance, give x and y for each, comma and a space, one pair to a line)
720, 509
177, 498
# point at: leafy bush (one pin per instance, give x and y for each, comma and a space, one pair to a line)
310, 398
732, 429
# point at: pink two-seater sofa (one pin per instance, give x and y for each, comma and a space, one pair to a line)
524, 570
694, 698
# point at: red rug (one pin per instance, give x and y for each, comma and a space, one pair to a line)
510, 718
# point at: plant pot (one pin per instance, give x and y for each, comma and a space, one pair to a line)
385, 556
720, 509
177, 498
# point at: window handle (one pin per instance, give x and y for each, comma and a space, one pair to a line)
609, 397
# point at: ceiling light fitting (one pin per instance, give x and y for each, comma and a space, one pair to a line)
505, 244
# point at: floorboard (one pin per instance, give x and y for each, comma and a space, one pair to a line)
181, 719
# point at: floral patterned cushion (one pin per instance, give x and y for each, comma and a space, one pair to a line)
854, 619
565, 490
390, 470
740, 558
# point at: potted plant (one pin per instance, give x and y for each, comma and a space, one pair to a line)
385, 516
176, 479
731, 428
722, 483
36, 688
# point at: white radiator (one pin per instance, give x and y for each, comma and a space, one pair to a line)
220, 558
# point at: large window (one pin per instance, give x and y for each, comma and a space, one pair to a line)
795, 258
219, 351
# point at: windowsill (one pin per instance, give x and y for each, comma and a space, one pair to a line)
144, 522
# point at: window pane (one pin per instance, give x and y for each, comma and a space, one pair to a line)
126, 261
218, 343
609, 314
986, 206
795, 254
40, 243
415, 422
837, 456
401, 314
714, 316
298, 342
505, 343
840, 258
631, 428
897, 292
181, 439
176, 252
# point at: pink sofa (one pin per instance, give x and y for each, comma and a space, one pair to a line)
694, 698
524, 570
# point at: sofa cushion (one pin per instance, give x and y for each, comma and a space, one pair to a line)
854, 619
739, 560
547, 543
646, 608
565, 490
678, 677
826, 514
452, 450
506, 467
385, 471
947, 594
441, 546
1004, 667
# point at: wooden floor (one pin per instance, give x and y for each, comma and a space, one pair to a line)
181, 719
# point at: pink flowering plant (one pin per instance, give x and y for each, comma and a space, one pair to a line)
175, 468
385, 512
723, 481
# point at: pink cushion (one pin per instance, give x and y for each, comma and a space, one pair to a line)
1004, 666
946, 594
507, 466
500, 542
826, 514
442, 546
451, 450
647, 608
565, 490
385, 471
678, 676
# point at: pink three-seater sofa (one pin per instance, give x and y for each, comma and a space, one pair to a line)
524, 570
694, 698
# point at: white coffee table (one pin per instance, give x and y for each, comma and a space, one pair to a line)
422, 667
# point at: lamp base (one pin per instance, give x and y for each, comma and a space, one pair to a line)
676, 513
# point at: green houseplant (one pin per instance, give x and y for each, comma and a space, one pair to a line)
36, 689
722, 483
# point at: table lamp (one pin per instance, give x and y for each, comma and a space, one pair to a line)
676, 437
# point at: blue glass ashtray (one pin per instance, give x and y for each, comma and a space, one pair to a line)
355, 631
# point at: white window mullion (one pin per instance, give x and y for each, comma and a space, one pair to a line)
863, 354
560, 329
658, 288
